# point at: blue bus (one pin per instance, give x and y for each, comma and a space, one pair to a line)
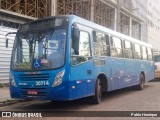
67, 58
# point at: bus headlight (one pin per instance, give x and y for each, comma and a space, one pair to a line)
12, 81
58, 79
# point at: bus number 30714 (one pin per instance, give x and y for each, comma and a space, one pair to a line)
42, 83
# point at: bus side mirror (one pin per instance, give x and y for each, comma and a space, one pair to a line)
7, 43
75, 31
75, 38
7, 38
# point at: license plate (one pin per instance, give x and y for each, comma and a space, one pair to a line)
32, 92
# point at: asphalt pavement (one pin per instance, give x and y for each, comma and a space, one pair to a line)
119, 102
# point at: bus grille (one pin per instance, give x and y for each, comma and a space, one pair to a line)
33, 77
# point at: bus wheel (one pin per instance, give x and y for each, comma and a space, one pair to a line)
141, 85
96, 99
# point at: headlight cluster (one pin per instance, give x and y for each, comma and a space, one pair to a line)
12, 80
58, 79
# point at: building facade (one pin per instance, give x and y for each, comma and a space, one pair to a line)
154, 23
128, 17
139, 9
149, 12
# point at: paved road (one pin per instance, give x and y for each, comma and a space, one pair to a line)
120, 100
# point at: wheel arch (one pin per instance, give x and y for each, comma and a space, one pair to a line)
104, 81
142, 73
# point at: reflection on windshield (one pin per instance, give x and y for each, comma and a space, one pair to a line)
39, 50
157, 58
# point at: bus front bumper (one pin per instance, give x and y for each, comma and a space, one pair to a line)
57, 93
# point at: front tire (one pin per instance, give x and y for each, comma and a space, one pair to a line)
96, 99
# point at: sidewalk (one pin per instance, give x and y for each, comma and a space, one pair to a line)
4, 94
5, 98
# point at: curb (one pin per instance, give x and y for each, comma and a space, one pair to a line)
10, 102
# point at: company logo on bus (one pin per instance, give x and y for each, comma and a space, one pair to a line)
27, 73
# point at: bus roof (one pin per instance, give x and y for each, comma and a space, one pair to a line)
107, 30
88, 23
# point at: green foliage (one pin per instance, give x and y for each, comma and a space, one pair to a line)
25, 66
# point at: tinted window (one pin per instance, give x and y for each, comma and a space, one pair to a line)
101, 44
39, 50
150, 54
80, 46
84, 46
137, 51
128, 49
116, 47
144, 53
157, 58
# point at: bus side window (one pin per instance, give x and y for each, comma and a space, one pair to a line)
81, 46
137, 51
144, 53
107, 45
99, 40
84, 45
101, 44
75, 40
128, 49
150, 56
116, 47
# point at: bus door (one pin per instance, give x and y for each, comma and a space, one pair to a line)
129, 78
128, 53
82, 83
116, 64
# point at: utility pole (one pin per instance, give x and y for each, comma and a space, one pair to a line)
118, 16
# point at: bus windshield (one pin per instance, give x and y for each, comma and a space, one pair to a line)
39, 50
157, 58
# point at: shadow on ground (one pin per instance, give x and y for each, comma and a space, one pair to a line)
155, 80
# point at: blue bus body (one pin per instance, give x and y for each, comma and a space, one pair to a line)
79, 80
